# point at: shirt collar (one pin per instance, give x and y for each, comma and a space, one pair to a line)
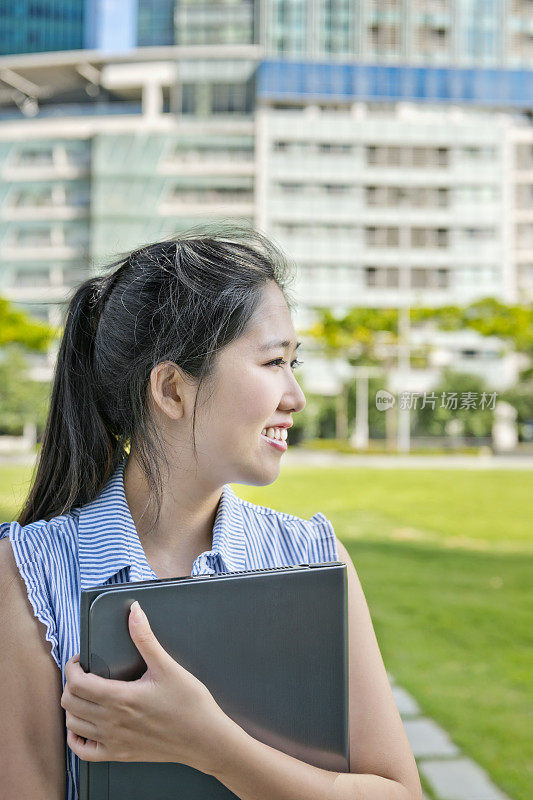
108, 540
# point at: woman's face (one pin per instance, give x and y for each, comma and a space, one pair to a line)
250, 394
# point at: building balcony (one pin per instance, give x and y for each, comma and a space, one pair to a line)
43, 252
207, 166
48, 212
226, 208
44, 172
337, 208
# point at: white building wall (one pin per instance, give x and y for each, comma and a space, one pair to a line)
339, 216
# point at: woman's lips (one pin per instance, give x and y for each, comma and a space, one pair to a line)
278, 443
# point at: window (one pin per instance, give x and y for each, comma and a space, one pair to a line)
32, 237
419, 277
337, 188
382, 237
427, 278
442, 156
392, 278
479, 234
418, 156
371, 276
443, 197
442, 278
291, 188
231, 98
32, 197
76, 235
78, 154
335, 149
32, 277
478, 153
35, 156
382, 277
371, 195
429, 237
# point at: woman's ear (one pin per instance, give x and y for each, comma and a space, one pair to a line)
169, 389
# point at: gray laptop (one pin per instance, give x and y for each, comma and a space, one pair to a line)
271, 646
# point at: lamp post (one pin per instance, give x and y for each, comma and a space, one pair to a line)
404, 360
359, 437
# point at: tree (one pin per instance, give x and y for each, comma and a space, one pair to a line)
370, 335
354, 338
475, 421
490, 317
18, 327
22, 400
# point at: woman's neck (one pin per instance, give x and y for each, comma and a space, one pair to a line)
185, 525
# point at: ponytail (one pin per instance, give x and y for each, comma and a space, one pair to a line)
78, 451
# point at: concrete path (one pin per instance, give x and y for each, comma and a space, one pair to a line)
301, 457
446, 773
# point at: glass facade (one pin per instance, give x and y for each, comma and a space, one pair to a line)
155, 23
299, 80
222, 22
43, 26
459, 32
481, 33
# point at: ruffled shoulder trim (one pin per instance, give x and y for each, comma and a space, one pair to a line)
323, 546
318, 537
26, 544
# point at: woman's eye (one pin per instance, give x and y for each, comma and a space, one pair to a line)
280, 362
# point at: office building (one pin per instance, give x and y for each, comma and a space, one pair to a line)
391, 170
377, 201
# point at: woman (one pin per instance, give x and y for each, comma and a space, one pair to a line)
174, 373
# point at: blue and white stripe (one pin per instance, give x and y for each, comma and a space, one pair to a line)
98, 544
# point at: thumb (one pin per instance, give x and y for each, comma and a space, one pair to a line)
143, 638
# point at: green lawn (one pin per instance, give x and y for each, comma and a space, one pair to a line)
445, 558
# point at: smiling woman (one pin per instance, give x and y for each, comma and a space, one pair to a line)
174, 378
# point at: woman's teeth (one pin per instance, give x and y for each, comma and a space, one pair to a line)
275, 433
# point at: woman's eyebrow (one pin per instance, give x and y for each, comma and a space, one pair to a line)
277, 343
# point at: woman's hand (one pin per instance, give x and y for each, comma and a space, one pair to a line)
166, 715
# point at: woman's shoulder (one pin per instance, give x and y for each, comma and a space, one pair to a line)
43, 553
46, 556
314, 537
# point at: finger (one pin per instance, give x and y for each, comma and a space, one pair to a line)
68, 666
84, 709
92, 687
154, 655
81, 727
86, 749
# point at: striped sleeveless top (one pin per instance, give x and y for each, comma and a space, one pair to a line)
98, 544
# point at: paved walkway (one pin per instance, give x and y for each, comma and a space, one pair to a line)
301, 457
447, 774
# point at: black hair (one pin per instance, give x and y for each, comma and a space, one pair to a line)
179, 300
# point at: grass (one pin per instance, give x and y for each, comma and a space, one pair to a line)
444, 557
14, 485
477, 509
